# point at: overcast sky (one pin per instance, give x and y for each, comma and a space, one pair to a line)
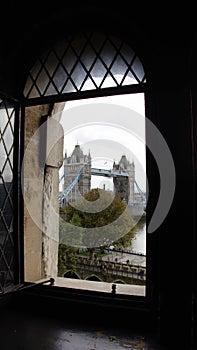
100, 125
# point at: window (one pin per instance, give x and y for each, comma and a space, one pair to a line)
89, 61
8, 192
78, 67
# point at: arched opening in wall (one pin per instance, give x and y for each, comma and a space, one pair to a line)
119, 282
71, 274
93, 278
84, 163
102, 187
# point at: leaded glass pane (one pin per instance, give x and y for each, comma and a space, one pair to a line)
88, 57
119, 67
51, 63
50, 90
69, 87
42, 81
129, 79
34, 92
69, 60
59, 77
87, 61
88, 85
78, 75
138, 69
7, 245
98, 71
108, 53
127, 53
108, 82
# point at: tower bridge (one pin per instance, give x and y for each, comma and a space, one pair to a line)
77, 180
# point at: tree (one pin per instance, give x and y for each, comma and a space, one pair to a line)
96, 220
66, 257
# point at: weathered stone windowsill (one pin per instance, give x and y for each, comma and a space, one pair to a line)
100, 286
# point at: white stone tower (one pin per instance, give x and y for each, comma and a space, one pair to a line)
72, 166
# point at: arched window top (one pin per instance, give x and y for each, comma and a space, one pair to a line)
84, 62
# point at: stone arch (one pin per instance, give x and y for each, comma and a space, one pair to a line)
74, 68
93, 278
119, 281
72, 274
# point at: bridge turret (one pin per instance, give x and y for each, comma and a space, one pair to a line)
124, 185
73, 164
123, 163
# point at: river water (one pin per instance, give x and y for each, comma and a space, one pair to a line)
139, 240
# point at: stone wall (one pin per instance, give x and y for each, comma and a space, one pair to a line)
42, 159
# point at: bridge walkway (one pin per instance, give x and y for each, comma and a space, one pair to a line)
125, 258
117, 265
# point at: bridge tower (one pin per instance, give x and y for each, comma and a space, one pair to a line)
72, 166
124, 185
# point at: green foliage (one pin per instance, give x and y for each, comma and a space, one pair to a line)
97, 220
66, 258
70, 233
